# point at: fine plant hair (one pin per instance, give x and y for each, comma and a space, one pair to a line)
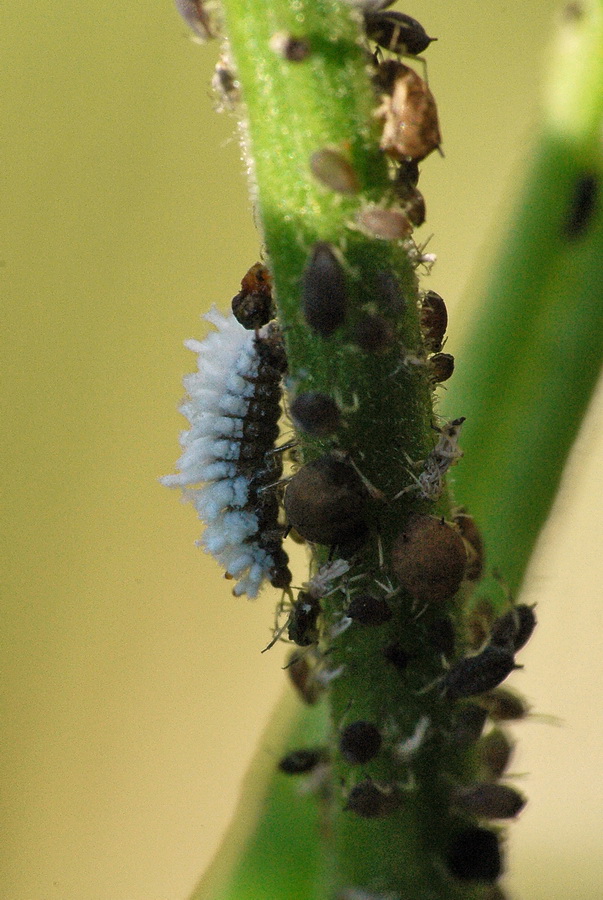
407, 623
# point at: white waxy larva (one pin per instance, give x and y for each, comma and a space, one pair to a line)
212, 472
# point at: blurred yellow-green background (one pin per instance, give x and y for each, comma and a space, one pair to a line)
133, 689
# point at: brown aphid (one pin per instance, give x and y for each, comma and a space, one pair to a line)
429, 559
433, 319
373, 333
478, 623
291, 48
408, 112
405, 188
324, 293
494, 752
315, 413
325, 502
252, 307
478, 674
371, 800
489, 801
384, 224
473, 543
302, 674
397, 32
335, 171
196, 17
414, 208
366, 609
359, 742
440, 367
504, 705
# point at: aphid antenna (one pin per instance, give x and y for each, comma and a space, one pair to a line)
274, 484
375, 492
283, 447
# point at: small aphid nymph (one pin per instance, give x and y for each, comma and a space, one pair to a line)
384, 224
335, 171
373, 333
325, 299
473, 543
315, 413
292, 48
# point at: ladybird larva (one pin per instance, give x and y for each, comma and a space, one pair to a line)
228, 467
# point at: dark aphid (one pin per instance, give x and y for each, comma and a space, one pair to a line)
514, 629
408, 111
388, 293
582, 205
253, 306
302, 627
478, 674
397, 656
325, 299
494, 753
407, 175
473, 544
429, 559
373, 333
300, 762
196, 17
226, 84
368, 610
397, 32
371, 800
359, 742
433, 319
291, 48
315, 413
414, 208
475, 855
489, 801
440, 367
405, 188
504, 705
302, 674
441, 636
335, 171
385, 224
325, 502
469, 721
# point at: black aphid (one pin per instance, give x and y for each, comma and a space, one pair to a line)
325, 299
477, 674
397, 32
489, 801
582, 205
367, 609
299, 762
359, 742
371, 800
302, 627
475, 855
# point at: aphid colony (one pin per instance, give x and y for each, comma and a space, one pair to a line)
233, 406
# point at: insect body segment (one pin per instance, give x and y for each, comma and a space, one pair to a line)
228, 466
